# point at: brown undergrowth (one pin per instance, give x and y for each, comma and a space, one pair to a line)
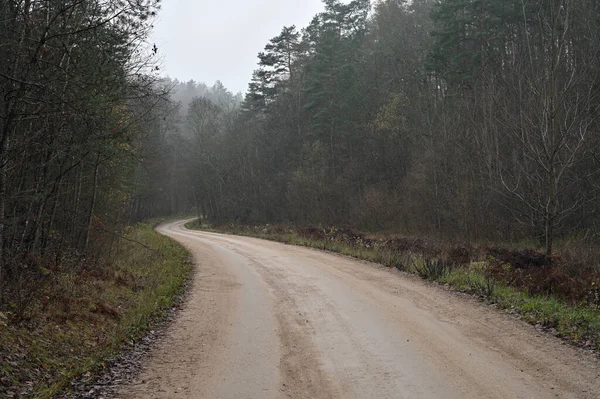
79, 313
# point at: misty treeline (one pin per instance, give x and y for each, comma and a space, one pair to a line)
80, 101
183, 93
462, 118
468, 118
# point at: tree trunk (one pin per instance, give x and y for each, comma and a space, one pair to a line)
90, 218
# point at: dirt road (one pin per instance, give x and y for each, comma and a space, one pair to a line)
266, 320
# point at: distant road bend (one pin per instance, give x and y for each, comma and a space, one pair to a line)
267, 320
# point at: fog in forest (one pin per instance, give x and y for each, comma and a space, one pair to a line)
454, 121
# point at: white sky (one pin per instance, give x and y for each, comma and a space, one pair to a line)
208, 40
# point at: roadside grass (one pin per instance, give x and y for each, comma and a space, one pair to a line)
577, 321
86, 314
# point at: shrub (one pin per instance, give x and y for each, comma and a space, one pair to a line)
432, 268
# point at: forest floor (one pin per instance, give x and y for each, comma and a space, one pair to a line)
269, 320
84, 316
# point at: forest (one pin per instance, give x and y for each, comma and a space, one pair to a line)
466, 119
462, 120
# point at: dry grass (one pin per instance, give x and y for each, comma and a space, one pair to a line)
84, 314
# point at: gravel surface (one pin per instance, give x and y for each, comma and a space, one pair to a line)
268, 320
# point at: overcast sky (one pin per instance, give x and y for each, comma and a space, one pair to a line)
209, 40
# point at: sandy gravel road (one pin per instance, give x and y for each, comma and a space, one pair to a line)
267, 320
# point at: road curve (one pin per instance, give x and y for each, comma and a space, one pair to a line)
268, 320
